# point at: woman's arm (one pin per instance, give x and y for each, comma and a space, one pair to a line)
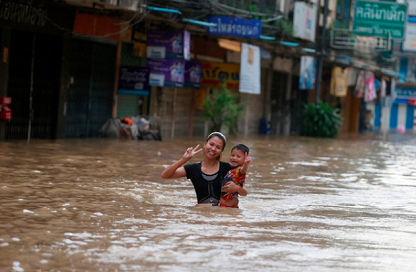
176, 170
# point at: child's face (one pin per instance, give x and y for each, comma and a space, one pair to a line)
237, 158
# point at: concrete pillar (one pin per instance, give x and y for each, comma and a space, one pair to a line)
385, 116
65, 82
288, 97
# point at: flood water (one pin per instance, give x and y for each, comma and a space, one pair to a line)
346, 204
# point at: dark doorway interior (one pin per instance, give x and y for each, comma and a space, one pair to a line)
278, 96
34, 73
90, 101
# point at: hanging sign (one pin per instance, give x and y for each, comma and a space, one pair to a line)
231, 26
193, 74
304, 21
166, 72
250, 69
168, 44
133, 81
308, 68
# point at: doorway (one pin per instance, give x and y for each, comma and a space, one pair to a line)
34, 76
90, 98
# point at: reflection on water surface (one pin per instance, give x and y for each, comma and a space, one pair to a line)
314, 204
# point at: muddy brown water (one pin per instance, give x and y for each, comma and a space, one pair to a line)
346, 204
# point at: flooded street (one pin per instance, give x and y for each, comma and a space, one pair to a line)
314, 205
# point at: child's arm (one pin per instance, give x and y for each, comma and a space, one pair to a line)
247, 161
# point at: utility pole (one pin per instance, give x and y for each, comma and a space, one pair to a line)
321, 48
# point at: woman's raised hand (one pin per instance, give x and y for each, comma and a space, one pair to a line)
190, 152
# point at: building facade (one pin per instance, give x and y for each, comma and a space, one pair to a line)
61, 63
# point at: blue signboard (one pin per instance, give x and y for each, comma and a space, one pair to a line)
406, 92
133, 81
230, 26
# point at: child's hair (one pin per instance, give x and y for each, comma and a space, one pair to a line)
241, 147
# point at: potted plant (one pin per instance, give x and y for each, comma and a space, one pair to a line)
320, 120
222, 111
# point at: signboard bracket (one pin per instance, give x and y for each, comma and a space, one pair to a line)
348, 39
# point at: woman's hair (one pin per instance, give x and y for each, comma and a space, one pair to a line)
219, 135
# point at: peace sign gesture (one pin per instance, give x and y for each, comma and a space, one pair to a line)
190, 152
247, 158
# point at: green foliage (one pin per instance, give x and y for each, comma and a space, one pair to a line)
320, 120
222, 111
286, 27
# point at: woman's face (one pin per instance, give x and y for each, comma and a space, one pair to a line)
213, 147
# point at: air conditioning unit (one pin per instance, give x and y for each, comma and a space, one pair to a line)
130, 4
110, 2
127, 4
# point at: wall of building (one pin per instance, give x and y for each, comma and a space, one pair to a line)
174, 109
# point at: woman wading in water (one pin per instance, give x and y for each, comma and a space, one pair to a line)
206, 176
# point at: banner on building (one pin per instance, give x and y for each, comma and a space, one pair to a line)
231, 26
250, 69
97, 25
166, 72
133, 81
307, 76
219, 75
339, 81
168, 44
304, 21
193, 72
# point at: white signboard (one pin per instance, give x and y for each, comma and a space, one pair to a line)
411, 7
409, 44
304, 21
250, 69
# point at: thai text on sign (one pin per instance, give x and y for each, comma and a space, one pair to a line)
231, 26
380, 19
218, 75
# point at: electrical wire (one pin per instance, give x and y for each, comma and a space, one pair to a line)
205, 10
